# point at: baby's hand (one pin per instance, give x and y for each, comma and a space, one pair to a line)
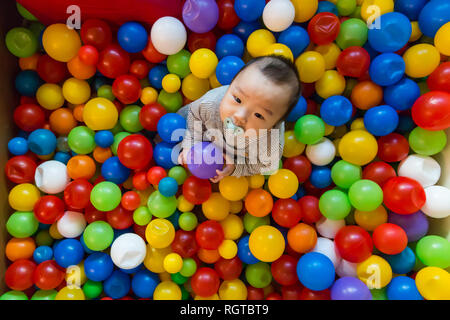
226, 171
182, 157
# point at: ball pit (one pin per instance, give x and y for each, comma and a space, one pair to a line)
363, 184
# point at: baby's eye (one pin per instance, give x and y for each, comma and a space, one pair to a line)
237, 99
258, 115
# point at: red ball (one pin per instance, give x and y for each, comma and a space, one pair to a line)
439, 79
431, 111
228, 18
130, 200
309, 207
48, 209
228, 269
393, 147
127, 89
353, 62
29, 117
284, 270
91, 214
184, 243
390, 238
205, 282
113, 61
155, 174
96, 32
324, 28
196, 190
20, 169
403, 195
140, 181
255, 293
274, 296
202, 40
353, 243
151, 54
77, 193
308, 294
140, 230
300, 166
120, 218
292, 292
88, 55
209, 235
50, 70
140, 69
150, 115
378, 172
19, 275
286, 212
135, 151
48, 275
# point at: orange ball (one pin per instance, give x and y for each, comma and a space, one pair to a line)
81, 166
302, 238
80, 70
78, 112
208, 256
22, 248
366, 95
62, 121
102, 154
259, 202
29, 63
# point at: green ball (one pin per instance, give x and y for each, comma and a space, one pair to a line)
344, 174
309, 129
98, 235
178, 63
426, 142
178, 173
92, 289
81, 140
25, 13
345, 7
105, 91
353, 33
161, 206
258, 275
365, 195
43, 238
252, 222
356, 13
187, 221
434, 251
117, 138
379, 294
170, 101
22, 224
334, 204
178, 278
142, 216
106, 196
21, 42
185, 295
129, 119
14, 295
44, 295
189, 267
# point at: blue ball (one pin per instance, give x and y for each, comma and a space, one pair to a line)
42, 142
249, 10
371, 51
244, 253
117, 285
403, 288
381, 120
156, 75
171, 127
144, 283
402, 95
63, 157
315, 271
68, 252
28, 82
98, 266
168, 186
300, 192
298, 111
387, 69
229, 45
42, 253
113, 170
100, 81
18, 146
336, 110
227, 68
410, 8
393, 33
327, 6
165, 155
132, 271
403, 262
405, 123
434, 15
83, 243
104, 138
132, 37
320, 177
296, 38
244, 29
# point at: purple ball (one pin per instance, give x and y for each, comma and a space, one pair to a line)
204, 159
415, 225
350, 288
200, 15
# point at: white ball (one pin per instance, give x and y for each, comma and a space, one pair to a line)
278, 15
328, 228
71, 224
424, 169
321, 153
168, 35
346, 269
51, 177
128, 251
437, 204
327, 247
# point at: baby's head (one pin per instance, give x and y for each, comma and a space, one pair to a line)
262, 94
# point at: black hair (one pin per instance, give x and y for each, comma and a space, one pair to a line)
281, 71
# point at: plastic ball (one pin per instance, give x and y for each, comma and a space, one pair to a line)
22, 224
168, 35
430, 111
440, 40
390, 238
403, 195
423, 169
216, 207
144, 283
432, 283
435, 206
330, 84
128, 251
258, 275
50, 96
160, 233
283, 184
433, 16
321, 153
259, 202
68, 252
105, 196
336, 110
402, 262
23, 197
60, 42
98, 235
227, 68
387, 69
202, 63
266, 243
113, 61
354, 244
200, 16
403, 288
167, 290
27, 83
353, 32
21, 42
310, 66
132, 37
323, 28
382, 39
402, 95
426, 142
421, 60
309, 129
334, 205
18, 146
350, 288
365, 272
415, 225
358, 147
310, 266
249, 10
51, 177
258, 41
365, 195
71, 224
278, 16
117, 285
345, 174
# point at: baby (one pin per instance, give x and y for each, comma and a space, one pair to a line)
245, 118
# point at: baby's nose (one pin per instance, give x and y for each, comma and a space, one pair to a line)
239, 118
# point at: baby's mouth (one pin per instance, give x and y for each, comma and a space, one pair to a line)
231, 128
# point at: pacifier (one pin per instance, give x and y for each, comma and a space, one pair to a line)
229, 125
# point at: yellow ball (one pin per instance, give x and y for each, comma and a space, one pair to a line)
256, 181
421, 60
232, 227
433, 283
70, 293
233, 188
144, 195
375, 272
171, 83
54, 233
369, 220
304, 9
332, 83
76, 91
213, 82
173, 263
193, 87
216, 207
50, 96
60, 42
358, 147
167, 290
184, 205
154, 259
160, 233
236, 206
292, 147
258, 41
339, 132
442, 39
328, 129
310, 66
358, 124
215, 296
75, 275
149, 95
266, 243
233, 290
228, 249
416, 33
330, 53
283, 184
203, 63
372, 9
23, 197
279, 49
100, 114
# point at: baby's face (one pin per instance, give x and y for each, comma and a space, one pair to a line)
253, 101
